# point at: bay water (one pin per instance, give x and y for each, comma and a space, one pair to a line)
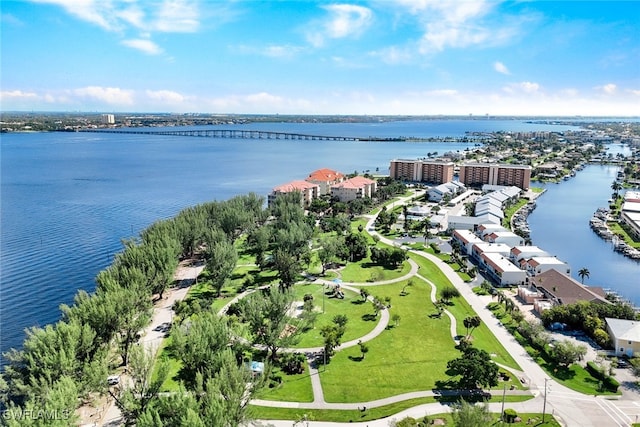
68, 199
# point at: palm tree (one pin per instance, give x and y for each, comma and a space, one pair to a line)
583, 272
616, 186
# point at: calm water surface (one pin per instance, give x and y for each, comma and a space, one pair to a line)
560, 225
67, 199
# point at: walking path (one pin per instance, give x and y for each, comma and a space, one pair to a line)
572, 408
154, 333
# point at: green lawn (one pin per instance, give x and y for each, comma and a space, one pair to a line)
346, 416
483, 337
363, 271
352, 306
409, 357
294, 388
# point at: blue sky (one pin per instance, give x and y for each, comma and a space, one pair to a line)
308, 57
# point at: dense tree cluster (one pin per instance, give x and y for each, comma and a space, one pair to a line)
70, 359
589, 317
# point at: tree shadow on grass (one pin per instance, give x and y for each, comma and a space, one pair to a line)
369, 317
357, 301
356, 358
559, 372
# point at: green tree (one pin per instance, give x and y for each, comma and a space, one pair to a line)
221, 260
475, 368
198, 343
448, 293
466, 414
364, 349
471, 322
266, 316
287, 266
583, 272
566, 352
144, 386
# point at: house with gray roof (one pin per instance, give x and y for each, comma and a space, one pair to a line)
625, 336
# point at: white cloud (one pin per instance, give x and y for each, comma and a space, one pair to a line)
635, 92
143, 45
393, 55
271, 51
345, 20
501, 68
442, 92
122, 17
177, 16
17, 94
165, 96
608, 89
108, 95
100, 13
522, 87
458, 24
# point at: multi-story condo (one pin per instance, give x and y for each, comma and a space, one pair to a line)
354, 188
432, 171
478, 174
325, 178
308, 191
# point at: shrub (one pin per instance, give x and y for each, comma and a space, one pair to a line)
611, 384
292, 363
510, 415
595, 370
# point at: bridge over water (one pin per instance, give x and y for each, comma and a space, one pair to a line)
261, 134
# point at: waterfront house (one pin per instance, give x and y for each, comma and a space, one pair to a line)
465, 239
484, 229
563, 289
325, 178
519, 253
355, 188
540, 264
625, 336
503, 271
506, 237
477, 249
307, 190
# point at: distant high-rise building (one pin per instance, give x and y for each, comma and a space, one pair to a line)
478, 174
108, 119
432, 171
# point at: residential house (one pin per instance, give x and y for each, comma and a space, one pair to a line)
539, 264
563, 289
466, 239
502, 269
625, 336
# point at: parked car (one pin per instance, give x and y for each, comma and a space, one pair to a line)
113, 380
622, 363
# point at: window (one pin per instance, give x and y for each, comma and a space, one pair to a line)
621, 348
629, 342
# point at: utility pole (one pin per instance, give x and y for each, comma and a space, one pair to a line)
544, 405
504, 391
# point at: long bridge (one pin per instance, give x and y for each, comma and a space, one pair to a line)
261, 134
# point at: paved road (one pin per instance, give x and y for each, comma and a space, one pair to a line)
571, 408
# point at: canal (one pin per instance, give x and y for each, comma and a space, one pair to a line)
560, 226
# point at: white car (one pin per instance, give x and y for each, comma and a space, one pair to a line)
113, 380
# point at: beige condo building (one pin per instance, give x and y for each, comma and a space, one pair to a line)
478, 174
432, 171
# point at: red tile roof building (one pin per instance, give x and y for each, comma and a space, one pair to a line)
354, 188
308, 191
325, 178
